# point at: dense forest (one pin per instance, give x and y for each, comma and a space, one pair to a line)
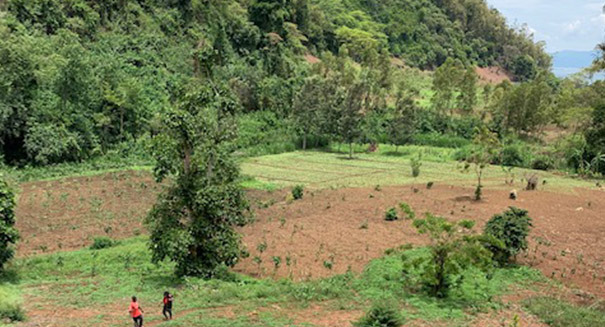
82, 78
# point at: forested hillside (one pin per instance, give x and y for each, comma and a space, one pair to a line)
79, 77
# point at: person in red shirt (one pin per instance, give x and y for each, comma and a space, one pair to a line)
168, 299
136, 312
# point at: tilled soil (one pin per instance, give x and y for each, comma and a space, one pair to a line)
331, 231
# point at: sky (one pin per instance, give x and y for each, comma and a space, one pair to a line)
562, 24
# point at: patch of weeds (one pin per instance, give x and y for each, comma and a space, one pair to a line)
383, 314
391, 214
407, 210
557, 313
102, 242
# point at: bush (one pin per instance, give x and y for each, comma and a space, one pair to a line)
391, 215
298, 192
543, 162
453, 248
381, 315
511, 228
512, 155
102, 242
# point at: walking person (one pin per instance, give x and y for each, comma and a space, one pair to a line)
168, 299
136, 312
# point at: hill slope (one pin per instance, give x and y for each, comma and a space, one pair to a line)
82, 77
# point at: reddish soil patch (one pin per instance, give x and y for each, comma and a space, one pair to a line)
311, 59
67, 214
492, 75
566, 241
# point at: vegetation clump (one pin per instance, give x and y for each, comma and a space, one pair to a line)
511, 228
381, 315
407, 211
298, 192
453, 248
391, 214
102, 242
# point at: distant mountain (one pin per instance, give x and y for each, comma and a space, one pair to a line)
569, 62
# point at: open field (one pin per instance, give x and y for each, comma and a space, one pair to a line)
329, 170
331, 245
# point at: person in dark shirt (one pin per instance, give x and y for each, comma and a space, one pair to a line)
168, 299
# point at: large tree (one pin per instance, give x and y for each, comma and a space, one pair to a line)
193, 221
446, 83
403, 121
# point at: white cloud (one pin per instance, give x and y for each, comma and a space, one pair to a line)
573, 26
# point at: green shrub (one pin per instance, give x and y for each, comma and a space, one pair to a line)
391, 215
298, 192
543, 162
381, 315
511, 228
512, 155
453, 248
102, 242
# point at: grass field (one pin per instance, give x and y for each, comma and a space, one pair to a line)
386, 167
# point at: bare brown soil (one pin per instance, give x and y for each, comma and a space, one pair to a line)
567, 241
67, 214
492, 75
342, 229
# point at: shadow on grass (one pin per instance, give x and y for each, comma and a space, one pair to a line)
396, 154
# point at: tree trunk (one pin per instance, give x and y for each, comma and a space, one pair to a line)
304, 144
350, 150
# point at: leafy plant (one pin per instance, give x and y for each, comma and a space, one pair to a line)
391, 215
485, 144
407, 210
298, 192
102, 242
453, 247
512, 228
381, 315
